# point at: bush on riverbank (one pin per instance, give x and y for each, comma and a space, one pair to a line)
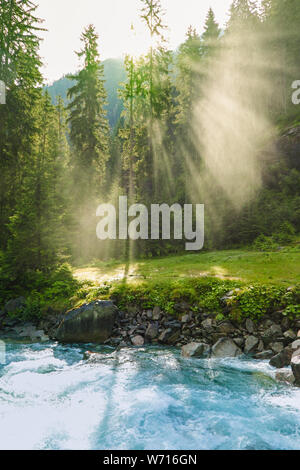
227, 298
42, 293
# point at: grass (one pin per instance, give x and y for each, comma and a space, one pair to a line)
280, 268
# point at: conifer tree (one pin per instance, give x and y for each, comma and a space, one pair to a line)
89, 136
36, 231
211, 33
152, 14
19, 69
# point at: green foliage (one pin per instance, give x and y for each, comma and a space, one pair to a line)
258, 300
264, 243
203, 293
54, 292
283, 236
285, 233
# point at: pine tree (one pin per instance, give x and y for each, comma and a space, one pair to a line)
89, 136
19, 69
88, 122
152, 14
187, 78
36, 230
211, 33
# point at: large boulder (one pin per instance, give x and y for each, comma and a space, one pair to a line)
151, 332
91, 323
282, 359
251, 344
169, 336
270, 335
226, 347
195, 350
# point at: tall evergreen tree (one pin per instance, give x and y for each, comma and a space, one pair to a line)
19, 69
211, 33
89, 135
152, 14
36, 231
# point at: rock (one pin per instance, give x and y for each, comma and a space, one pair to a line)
239, 341
91, 323
250, 344
151, 332
271, 333
15, 305
207, 324
226, 347
277, 347
137, 340
264, 355
295, 363
296, 344
169, 336
173, 338
290, 334
298, 334
156, 314
282, 359
149, 314
195, 350
275, 330
182, 306
268, 323
285, 323
173, 324
185, 319
39, 335
249, 326
226, 328
260, 346
286, 376
296, 353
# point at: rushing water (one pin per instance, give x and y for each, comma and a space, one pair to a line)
149, 398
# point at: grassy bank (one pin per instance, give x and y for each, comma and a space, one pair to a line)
261, 283
280, 268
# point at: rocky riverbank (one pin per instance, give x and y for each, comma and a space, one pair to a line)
199, 334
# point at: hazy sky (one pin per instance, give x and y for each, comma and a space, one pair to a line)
65, 20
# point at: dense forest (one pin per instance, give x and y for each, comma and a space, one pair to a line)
197, 125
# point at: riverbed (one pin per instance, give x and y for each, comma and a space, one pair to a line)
146, 398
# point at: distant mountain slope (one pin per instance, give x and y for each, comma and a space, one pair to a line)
114, 74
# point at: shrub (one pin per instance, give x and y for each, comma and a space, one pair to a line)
263, 243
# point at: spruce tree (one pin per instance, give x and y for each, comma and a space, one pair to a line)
211, 33
89, 134
20, 70
36, 242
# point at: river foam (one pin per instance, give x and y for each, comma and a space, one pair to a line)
148, 398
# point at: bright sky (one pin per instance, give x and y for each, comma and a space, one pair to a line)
65, 20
